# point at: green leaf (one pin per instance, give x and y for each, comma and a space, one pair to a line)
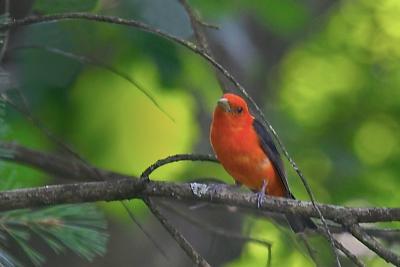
56, 6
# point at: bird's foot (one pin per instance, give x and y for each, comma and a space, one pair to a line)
261, 194
260, 198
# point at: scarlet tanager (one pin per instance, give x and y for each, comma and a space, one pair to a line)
247, 152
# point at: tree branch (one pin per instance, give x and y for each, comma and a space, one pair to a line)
133, 188
172, 230
179, 238
176, 158
374, 245
119, 187
346, 252
219, 231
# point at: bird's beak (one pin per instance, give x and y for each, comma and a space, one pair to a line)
224, 104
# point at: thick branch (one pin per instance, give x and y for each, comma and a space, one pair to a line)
129, 188
121, 186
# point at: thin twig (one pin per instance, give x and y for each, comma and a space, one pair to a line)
209, 25
179, 238
388, 235
144, 231
312, 198
345, 251
219, 231
144, 177
373, 245
174, 232
197, 27
310, 249
175, 158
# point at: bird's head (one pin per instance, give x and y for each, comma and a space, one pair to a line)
233, 110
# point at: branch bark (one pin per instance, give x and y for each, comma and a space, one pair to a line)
133, 188
120, 186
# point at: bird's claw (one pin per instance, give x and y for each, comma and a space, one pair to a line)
260, 198
261, 194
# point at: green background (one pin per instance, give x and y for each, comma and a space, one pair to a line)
325, 74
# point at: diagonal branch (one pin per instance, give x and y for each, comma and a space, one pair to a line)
172, 230
373, 244
219, 231
346, 252
179, 238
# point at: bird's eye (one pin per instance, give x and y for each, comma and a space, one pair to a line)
239, 110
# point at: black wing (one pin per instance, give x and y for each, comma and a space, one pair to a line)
272, 152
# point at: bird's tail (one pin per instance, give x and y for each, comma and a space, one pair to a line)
299, 223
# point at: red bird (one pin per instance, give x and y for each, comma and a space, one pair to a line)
247, 152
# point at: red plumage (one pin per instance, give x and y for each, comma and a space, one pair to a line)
246, 151
237, 146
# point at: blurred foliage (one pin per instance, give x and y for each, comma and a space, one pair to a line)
340, 87
333, 97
